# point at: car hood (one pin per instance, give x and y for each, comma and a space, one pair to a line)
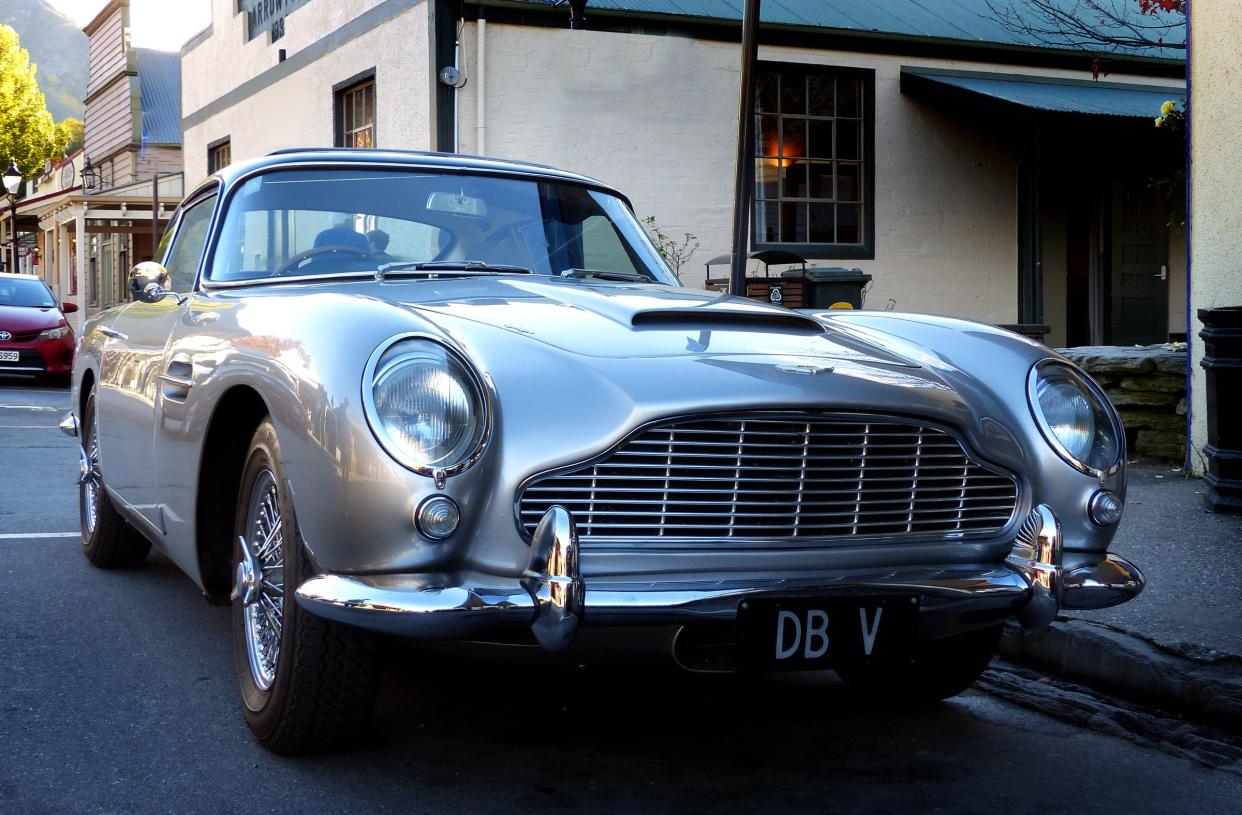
639, 321
21, 318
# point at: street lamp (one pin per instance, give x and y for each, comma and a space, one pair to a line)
90, 178
12, 183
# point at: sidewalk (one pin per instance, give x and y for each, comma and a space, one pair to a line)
1178, 645
1191, 558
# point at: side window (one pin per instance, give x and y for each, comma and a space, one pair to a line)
187, 247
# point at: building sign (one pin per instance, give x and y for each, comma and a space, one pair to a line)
268, 15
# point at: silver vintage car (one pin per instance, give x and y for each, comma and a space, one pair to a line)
369, 393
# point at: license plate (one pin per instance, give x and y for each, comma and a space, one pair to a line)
806, 634
9, 356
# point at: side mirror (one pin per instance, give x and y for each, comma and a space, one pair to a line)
68, 308
148, 281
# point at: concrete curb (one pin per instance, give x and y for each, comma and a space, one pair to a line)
1196, 684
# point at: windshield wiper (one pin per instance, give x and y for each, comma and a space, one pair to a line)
473, 266
600, 274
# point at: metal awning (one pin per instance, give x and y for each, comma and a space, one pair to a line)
1044, 94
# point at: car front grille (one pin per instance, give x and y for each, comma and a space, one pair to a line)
762, 477
26, 336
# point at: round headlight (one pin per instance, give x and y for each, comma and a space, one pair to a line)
425, 406
1074, 418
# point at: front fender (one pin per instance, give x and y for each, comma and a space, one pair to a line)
992, 367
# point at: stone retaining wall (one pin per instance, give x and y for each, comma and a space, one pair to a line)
1148, 386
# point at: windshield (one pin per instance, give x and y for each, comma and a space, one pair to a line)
335, 221
30, 293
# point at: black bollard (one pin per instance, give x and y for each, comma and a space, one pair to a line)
1222, 359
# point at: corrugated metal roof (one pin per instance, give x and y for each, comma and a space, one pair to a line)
159, 83
1059, 96
962, 20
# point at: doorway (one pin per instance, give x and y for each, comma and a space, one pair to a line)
1139, 255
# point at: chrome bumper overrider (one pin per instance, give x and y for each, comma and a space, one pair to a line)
552, 598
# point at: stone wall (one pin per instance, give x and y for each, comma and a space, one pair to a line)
1148, 386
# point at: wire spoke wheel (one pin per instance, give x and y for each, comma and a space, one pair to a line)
264, 598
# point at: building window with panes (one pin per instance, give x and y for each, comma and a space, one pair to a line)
814, 163
355, 113
219, 155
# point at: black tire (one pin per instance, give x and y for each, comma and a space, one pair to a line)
326, 675
942, 668
108, 541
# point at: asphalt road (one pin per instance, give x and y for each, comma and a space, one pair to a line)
117, 695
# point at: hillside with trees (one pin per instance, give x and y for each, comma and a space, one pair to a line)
59, 50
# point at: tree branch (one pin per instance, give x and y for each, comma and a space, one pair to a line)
1098, 26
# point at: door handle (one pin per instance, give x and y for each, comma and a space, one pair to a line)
113, 333
201, 318
1164, 273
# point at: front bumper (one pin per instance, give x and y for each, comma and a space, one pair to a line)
53, 356
552, 599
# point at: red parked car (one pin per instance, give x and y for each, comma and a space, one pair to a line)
35, 337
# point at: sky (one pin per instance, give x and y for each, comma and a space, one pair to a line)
159, 24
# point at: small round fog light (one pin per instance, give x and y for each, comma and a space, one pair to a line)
1105, 508
437, 517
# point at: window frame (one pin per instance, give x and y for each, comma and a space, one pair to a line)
865, 250
212, 167
173, 231
340, 92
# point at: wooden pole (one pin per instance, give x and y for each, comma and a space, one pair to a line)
743, 186
155, 215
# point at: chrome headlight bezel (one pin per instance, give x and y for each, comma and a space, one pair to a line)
472, 380
1102, 407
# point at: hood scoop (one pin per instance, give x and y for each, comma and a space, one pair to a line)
725, 318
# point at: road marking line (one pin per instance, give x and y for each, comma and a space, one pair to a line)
29, 407
28, 427
16, 535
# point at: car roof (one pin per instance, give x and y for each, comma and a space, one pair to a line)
411, 158
6, 275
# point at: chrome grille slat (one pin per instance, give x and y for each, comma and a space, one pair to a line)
769, 478
904, 502
955, 479
624, 490
850, 514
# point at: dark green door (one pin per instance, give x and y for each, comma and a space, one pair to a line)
1140, 262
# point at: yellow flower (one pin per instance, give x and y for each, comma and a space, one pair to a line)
1167, 108
1159, 121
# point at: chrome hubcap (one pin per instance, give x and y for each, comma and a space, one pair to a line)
260, 580
90, 481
